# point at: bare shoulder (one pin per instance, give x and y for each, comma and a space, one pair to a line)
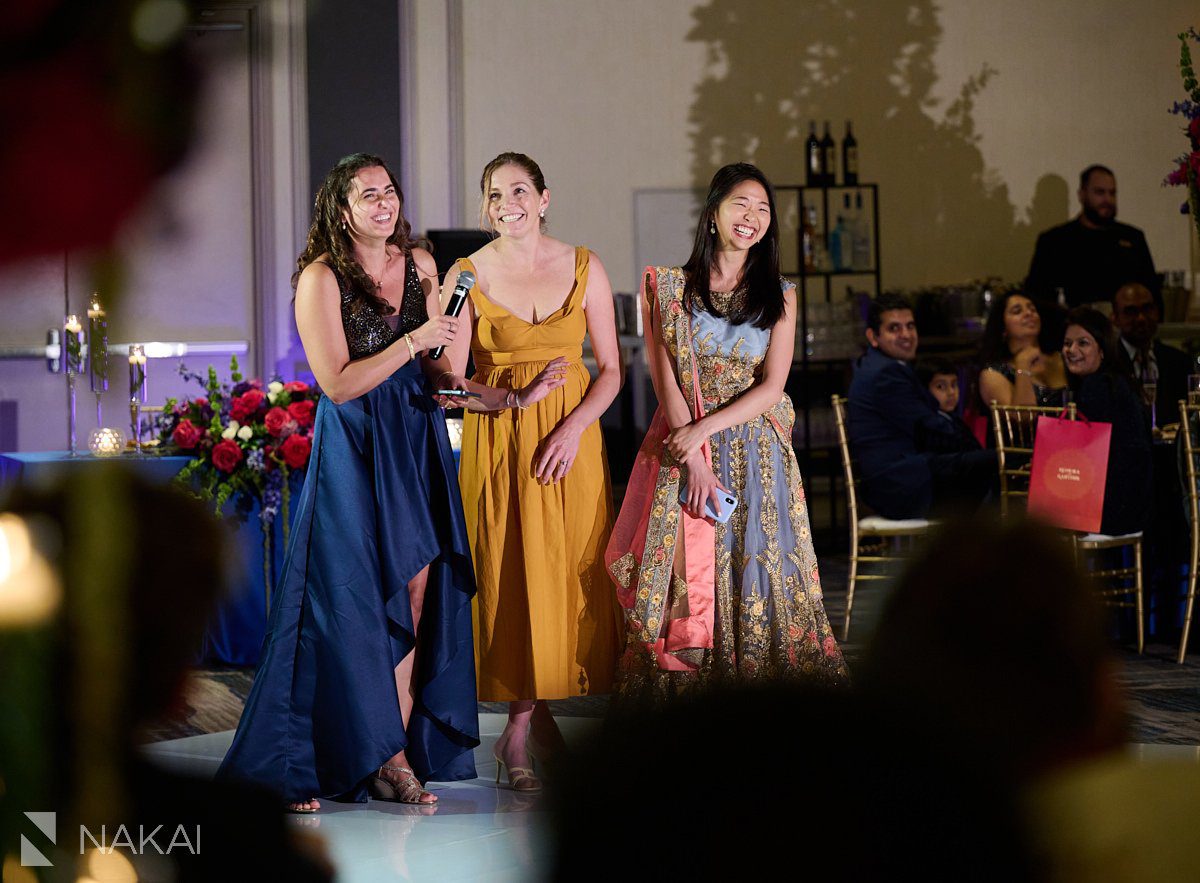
318, 275
424, 261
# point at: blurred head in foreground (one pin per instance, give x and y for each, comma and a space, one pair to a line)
730, 783
995, 637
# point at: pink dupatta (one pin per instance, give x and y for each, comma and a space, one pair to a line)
641, 550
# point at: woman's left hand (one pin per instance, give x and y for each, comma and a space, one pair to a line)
556, 455
685, 441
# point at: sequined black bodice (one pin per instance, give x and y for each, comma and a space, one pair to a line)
367, 332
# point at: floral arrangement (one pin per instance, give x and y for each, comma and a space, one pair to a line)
1187, 166
245, 439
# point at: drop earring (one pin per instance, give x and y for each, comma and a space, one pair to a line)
542, 214
712, 227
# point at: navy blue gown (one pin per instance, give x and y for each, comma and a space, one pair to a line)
380, 502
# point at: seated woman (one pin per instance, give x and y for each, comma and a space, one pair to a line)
1104, 395
1015, 370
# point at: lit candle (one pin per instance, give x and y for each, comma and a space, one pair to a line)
137, 372
98, 346
72, 345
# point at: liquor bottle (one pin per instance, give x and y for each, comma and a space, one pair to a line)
840, 242
814, 158
861, 234
829, 150
849, 158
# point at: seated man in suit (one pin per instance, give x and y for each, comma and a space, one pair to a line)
892, 421
1157, 368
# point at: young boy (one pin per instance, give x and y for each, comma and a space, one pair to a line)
941, 378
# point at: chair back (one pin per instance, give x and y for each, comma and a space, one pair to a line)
1013, 427
1191, 457
839, 419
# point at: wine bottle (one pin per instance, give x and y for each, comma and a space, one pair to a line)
829, 151
814, 160
849, 157
861, 237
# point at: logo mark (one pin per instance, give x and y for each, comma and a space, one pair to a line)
31, 856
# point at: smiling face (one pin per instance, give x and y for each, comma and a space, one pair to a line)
513, 203
1021, 321
373, 204
1081, 352
897, 335
743, 217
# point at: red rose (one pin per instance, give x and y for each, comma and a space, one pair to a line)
226, 455
1194, 132
186, 435
276, 421
200, 402
244, 406
295, 386
302, 412
295, 450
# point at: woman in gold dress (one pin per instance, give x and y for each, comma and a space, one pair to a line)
534, 477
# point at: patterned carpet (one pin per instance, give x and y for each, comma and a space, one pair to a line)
1164, 698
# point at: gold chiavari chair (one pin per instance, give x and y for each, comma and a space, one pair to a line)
1014, 427
1191, 454
871, 537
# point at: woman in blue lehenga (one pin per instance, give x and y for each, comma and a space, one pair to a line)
367, 675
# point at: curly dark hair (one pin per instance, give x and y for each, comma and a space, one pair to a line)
328, 236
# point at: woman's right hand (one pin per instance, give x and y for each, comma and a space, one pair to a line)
551, 377
702, 485
438, 331
450, 380
1029, 359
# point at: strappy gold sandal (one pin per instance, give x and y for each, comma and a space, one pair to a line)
407, 790
519, 778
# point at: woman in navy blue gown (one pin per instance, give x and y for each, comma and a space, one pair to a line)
367, 675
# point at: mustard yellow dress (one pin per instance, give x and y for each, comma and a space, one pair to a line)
547, 625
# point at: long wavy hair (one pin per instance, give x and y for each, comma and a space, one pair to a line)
329, 237
760, 276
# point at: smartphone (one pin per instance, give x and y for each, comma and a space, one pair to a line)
457, 393
728, 504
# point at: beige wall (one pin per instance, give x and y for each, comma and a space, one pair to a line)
627, 94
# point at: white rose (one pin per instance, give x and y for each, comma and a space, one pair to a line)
274, 388
272, 396
230, 430
245, 433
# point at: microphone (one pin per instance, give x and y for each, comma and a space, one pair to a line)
466, 281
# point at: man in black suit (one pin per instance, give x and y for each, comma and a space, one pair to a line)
1090, 257
908, 458
1151, 363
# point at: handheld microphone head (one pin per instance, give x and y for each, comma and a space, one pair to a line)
462, 286
466, 281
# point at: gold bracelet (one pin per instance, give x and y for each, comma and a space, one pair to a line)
449, 374
412, 353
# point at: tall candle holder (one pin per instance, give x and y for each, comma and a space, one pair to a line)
137, 392
72, 365
98, 354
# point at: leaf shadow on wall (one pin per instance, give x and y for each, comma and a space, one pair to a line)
945, 217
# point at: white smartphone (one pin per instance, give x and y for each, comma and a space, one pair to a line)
728, 504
